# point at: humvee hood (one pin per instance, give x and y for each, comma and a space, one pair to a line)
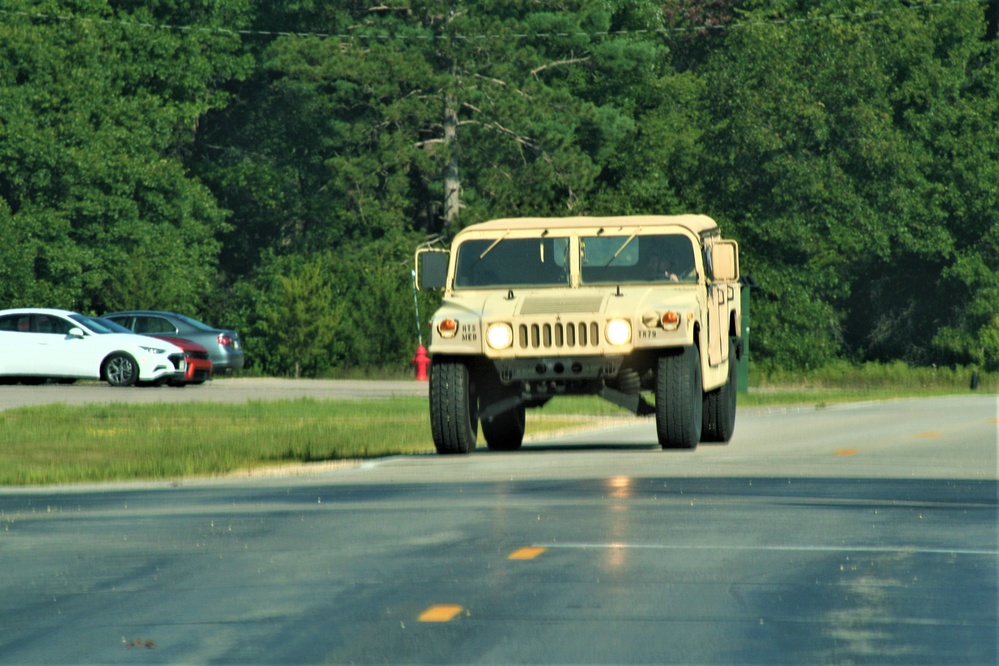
630, 299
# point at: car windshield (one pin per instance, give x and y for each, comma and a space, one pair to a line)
93, 324
513, 262
646, 258
194, 323
111, 326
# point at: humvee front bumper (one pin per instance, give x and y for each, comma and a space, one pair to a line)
543, 377
557, 368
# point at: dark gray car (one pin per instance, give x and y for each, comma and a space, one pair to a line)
224, 345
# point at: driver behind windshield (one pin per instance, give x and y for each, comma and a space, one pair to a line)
668, 259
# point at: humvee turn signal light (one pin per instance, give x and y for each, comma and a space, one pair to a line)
670, 320
448, 328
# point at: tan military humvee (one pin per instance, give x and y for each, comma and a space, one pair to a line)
535, 308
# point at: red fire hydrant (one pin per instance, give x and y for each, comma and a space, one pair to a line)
422, 362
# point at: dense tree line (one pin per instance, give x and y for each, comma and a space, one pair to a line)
272, 166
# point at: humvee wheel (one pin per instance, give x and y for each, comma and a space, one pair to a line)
505, 432
453, 407
679, 401
718, 421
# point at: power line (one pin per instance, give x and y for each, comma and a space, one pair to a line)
865, 15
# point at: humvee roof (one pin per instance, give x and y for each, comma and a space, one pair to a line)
698, 224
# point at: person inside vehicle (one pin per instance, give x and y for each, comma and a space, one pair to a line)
665, 263
660, 269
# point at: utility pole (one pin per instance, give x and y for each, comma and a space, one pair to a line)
452, 182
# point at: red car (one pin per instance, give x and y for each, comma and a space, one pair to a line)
199, 365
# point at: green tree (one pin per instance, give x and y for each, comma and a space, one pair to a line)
301, 319
348, 142
350, 138
335, 311
96, 109
221, 157
853, 157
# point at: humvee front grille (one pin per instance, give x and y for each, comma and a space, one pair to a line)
558, 335
545, 305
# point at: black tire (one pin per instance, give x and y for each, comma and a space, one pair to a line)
120, 369
679, 399
505, 432
453, 407
718, 420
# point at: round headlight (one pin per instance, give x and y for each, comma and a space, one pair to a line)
618, 332
499, 336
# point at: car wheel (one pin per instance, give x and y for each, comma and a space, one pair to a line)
679, 400
505, 432
718, 421
120, 370
454, 418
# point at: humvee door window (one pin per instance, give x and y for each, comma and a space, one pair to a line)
616, 259
512, 262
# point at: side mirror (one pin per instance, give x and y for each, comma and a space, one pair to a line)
725, 260
431, 268
75, 332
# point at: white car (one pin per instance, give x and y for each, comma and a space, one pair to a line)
38, 344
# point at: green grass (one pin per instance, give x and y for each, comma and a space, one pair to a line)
98, 443
896, 376
845, 382
74, 444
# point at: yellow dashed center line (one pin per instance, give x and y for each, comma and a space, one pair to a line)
929, 434
440, 613
845, 452
447, 612
528, 553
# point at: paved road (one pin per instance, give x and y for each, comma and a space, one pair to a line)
855, 534
220, 390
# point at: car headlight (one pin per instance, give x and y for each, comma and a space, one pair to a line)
154, 350
618, 332
499, 336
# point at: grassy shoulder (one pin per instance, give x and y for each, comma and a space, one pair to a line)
57, 444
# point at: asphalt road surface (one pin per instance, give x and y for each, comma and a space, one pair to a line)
849, 535
219, 390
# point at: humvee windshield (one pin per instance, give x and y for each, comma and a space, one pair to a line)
513, 262
614, 259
